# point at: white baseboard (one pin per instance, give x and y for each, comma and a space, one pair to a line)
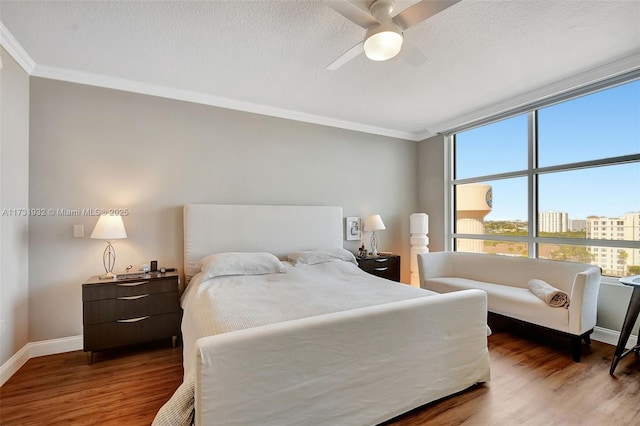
611, 337
55, 346
36, 349
13, 364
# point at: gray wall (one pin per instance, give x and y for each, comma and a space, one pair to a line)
612, 307
431, 189
613, 298
99, 148
14, 187
70, 146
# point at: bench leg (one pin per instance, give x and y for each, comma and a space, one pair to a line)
576, 346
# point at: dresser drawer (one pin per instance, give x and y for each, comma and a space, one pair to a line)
126, 311
384, 267
123, 307
133, 330
114, 290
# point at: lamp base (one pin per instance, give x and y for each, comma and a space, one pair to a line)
374, 244
109, 261
108, 276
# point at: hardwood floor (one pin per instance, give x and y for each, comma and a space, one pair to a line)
124, 387
534, 382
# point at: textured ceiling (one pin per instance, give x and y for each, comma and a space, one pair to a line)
270, 56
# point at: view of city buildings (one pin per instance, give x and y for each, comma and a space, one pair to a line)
615, 261
474, 203
553, 221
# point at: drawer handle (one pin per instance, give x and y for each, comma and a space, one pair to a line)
382, 269
381, 260
140, 296
132, 284
134, 319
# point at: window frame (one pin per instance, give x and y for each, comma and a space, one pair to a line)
532, 240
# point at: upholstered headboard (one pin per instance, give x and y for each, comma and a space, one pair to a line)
215, 228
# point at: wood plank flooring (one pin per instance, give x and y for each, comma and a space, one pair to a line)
534, 382
124, 387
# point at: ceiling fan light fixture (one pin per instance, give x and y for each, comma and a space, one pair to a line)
382, 42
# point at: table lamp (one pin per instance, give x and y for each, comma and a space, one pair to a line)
374, 223
109, 228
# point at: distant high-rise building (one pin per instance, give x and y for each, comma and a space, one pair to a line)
614, 260
553, 221
577, 225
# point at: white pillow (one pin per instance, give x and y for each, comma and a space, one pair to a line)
313, 257
231, 263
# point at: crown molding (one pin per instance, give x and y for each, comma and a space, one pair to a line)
11, 45
14, 48
16, 51
612, 69
217, 101
424, 135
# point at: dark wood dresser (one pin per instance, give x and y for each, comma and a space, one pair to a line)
384, 266
119, 312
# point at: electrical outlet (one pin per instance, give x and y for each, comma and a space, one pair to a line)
78, 231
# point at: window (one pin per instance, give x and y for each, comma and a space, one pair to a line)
586, 192
502, 147
561, 181
599, 125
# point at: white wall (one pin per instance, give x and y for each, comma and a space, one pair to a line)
14, 187
99, 148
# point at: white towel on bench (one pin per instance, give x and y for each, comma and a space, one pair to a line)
550, 295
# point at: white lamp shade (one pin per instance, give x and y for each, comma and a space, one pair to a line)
109, 228
374, 223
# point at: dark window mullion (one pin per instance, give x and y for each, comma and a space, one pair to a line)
532, 183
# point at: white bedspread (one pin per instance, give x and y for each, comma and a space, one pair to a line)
224, 304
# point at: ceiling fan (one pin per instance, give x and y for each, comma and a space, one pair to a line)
384, 38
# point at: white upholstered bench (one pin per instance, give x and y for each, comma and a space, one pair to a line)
506, 278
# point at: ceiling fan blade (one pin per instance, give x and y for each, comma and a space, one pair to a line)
352, 12
347, 56
420, 11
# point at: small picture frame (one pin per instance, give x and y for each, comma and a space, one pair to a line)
353, 228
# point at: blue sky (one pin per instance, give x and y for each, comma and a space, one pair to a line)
600, 125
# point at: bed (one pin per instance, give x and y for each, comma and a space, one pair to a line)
320, 342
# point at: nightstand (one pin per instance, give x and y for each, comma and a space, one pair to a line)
139, 308
384, 266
